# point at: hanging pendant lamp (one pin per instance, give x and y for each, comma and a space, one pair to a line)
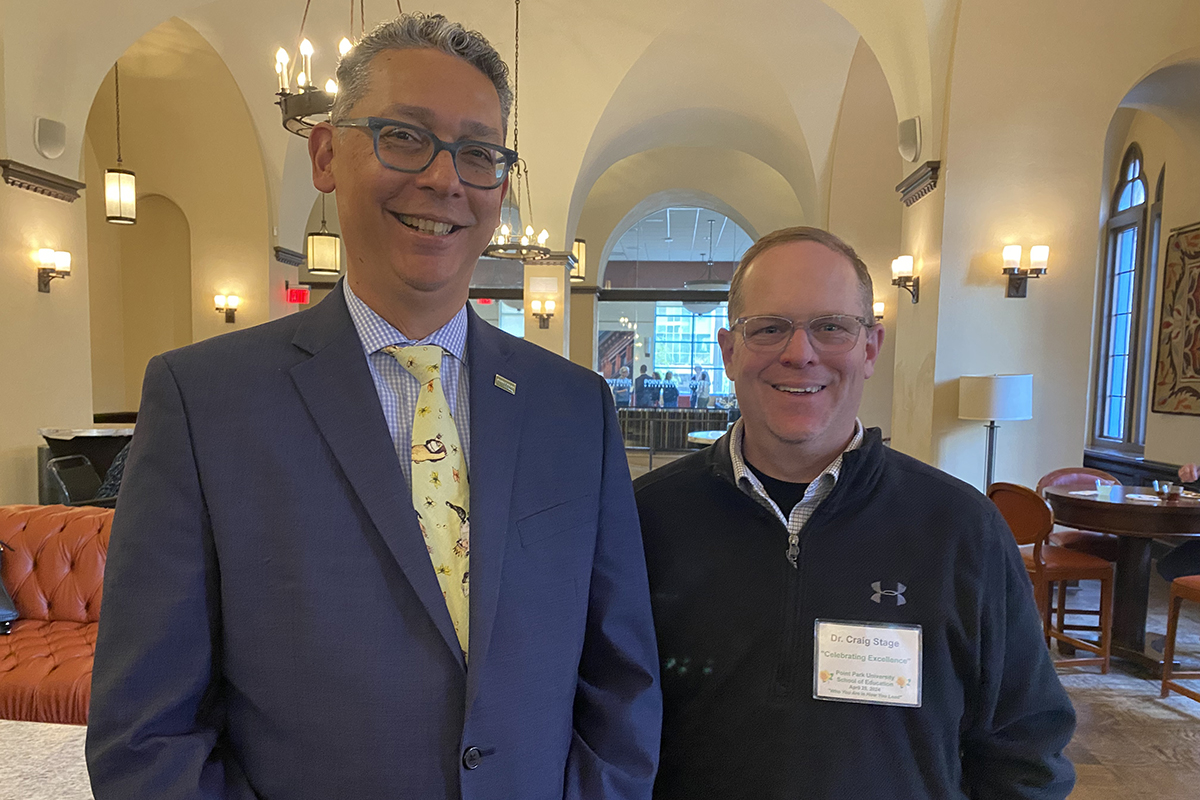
120, 190
324, 250
507, 242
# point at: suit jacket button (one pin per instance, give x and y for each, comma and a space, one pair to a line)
472, 758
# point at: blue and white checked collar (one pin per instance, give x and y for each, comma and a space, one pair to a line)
742, 473
814, 495
377, 333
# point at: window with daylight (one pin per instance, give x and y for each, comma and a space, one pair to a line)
688, 349
1131, 258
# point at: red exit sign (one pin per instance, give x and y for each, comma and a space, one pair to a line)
299, 295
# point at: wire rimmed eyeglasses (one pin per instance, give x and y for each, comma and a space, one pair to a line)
411, 148
832, 333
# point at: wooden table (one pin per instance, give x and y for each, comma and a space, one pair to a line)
1136, 522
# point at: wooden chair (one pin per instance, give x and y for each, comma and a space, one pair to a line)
1030, 519
1094, 543
1104, 545
1186, 588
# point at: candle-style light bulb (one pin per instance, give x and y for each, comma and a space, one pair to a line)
344, 46
529, 231
331, 86
505, 231
542, 237
281, 62
301, 81
306, 51
524, 241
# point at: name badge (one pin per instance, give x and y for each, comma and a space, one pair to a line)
865, 662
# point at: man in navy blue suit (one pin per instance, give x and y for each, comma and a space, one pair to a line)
273, 624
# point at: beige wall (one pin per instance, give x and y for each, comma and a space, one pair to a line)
1024, 154
207, 163
106, 296
156, 279
584, 328
864, 208
44, 355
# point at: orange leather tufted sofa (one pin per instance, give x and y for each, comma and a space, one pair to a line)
55, 574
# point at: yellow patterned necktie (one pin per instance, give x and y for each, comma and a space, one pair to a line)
441, 494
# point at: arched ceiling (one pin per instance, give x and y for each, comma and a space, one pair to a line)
743, 188
598, 80
704, 84
1172, 93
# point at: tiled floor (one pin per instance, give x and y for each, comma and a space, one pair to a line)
1131, 745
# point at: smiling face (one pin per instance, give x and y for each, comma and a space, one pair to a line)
412, 240
799, 405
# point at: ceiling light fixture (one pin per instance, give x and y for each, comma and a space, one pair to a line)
324, 249
509, 243
308, 105
707, 284
120, 187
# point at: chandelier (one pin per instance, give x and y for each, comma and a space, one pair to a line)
308, 104
510, 243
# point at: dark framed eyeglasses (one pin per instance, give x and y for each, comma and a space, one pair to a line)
410, 148
832, 334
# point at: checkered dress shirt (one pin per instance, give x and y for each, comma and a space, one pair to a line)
817, 491
398, 390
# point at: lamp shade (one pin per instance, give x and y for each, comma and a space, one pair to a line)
120, 196
995, 397
324, 253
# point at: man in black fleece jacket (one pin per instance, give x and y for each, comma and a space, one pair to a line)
836, 620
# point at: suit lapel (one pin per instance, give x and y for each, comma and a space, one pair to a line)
336, 386
496, 416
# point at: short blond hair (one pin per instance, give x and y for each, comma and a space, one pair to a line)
801, 233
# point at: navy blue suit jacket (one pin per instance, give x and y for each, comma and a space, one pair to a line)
272, 625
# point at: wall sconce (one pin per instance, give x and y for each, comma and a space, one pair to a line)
228, 304
877, 309
543, 317
1018, 279
902, 276
52, 264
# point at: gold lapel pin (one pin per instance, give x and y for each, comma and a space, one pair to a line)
505, 384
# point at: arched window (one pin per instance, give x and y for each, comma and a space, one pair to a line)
1130, 261
665, 278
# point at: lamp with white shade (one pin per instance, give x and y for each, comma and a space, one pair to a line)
994, 398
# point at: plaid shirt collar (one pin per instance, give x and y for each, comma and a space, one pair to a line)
377, 333
817, 490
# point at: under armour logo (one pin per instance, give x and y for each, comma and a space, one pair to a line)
880, 593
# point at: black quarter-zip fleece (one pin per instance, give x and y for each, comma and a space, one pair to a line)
735, 624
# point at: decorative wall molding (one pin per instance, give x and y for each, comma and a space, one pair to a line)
920, 183
37, 180
290, 257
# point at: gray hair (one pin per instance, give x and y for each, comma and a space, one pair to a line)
418, 31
